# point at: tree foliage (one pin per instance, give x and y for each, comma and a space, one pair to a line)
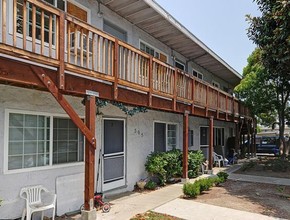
267, 76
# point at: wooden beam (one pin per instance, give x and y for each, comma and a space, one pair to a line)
61, 50
4, 21
90, 103
210, 147
52, 88
185, 147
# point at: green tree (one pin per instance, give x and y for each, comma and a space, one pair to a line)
271, 33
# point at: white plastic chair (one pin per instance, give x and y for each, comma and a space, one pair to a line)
218, 158
35, 202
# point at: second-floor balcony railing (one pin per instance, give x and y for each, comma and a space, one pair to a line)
41, 32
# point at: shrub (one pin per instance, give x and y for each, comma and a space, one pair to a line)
174, 163
195, 159
165, 165
151, 185
191, 189
247, 166
223, 175
279, 165
204, 184
155, 165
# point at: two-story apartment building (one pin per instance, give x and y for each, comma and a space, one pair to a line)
133, 55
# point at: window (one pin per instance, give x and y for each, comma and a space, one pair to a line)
191, 138
57, 3
218, 137
30, 143
179, 65
215, 84
153, 52
115, 31
165, 136
196, 74
204, 136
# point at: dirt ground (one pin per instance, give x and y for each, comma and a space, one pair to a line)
272, 200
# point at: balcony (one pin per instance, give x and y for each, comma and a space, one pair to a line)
79, 57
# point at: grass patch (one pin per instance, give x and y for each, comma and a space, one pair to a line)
154, 216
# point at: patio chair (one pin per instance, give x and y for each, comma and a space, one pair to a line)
218, 159
36, 201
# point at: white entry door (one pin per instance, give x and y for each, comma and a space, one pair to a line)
113, 153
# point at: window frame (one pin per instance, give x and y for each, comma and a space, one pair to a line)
216, 84
197, 74
156, 50
166, 133
179, 63
215, 138
38, 168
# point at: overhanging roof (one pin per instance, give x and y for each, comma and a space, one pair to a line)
153, 19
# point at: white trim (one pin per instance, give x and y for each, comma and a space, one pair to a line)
166, 133
197, 73
180, 63
39, 168
215, 84
119, 183
154, 48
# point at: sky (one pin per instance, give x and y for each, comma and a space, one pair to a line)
220, 24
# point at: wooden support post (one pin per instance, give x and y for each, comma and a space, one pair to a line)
116, 69
248, 139
52, 88
90, 103
185, 146
150, 81
210, 147
227, 115
237, 138
61, 50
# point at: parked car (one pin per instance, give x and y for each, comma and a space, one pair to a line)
268, 145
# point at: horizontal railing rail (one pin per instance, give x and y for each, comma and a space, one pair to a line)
46, 34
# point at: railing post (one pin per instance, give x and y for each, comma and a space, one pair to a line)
227, 116
150, 81
206, 101
193, 93
61, 50
233, 111
4, 21
116, 69
218, 105
175, 89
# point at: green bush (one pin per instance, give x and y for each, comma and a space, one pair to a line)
279, 165
195, 159
166, 165
249, 165
155, 165
174, 163
151, 185
222, 177
191, 189
204, 184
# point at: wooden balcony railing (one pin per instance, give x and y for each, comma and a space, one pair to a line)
53, 37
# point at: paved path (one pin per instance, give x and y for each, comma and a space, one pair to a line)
166, 200
191, 210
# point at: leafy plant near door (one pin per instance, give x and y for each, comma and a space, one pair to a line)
166, 165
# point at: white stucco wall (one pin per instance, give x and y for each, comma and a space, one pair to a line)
139, 143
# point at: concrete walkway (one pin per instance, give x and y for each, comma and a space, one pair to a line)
167, 200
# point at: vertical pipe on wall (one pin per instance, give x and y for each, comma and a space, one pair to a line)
185, 146
210, 152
